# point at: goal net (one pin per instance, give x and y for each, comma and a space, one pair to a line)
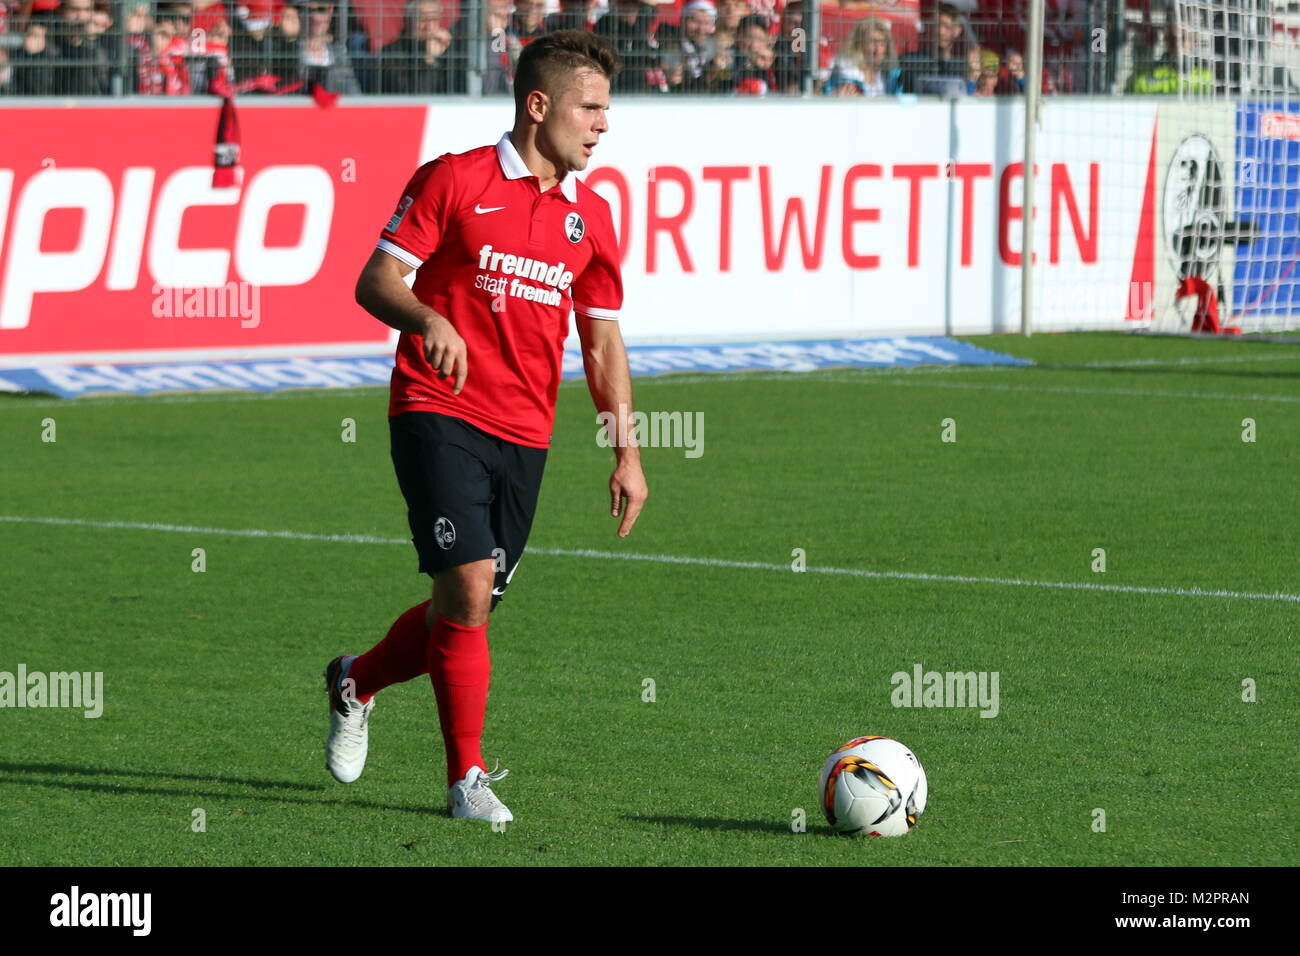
1224, 254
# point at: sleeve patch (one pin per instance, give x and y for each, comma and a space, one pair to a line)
400, 214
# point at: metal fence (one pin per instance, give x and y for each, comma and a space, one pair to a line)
90, 48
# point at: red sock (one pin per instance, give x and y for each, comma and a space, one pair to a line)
460, 668
401, 656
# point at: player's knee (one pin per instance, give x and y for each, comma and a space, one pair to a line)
463, 595
467, 610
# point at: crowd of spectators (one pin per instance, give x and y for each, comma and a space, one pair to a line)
431, 47
61, 49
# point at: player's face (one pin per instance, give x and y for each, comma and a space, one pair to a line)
573, 127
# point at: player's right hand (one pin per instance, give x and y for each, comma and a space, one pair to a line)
446, 352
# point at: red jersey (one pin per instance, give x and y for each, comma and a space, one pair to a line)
506, 264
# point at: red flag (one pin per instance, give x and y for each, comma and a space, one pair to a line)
226, 171
1207, 307
323, 97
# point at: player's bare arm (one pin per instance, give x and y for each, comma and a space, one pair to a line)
604, 357
382, 291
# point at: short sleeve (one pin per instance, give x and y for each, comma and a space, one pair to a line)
598, 292
422, 215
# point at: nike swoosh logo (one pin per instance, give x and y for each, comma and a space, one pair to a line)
499, 591
480, 210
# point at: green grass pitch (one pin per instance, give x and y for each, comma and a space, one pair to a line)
1125, 701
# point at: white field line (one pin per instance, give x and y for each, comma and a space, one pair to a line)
1190, 360
1137, 364
670, 559
1074, 390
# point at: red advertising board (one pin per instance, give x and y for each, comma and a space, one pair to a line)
108, 217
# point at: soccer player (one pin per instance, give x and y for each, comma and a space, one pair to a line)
507, 243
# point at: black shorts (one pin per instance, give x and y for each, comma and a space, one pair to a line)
469, 495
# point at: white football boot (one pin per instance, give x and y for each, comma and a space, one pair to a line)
345, 747
472, 797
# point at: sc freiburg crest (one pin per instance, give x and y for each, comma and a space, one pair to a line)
1197, 218
574, 227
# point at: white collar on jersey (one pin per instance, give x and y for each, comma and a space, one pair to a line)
512, 164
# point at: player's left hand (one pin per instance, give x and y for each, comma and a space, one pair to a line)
628, 492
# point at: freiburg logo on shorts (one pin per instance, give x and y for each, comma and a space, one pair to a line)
444, 532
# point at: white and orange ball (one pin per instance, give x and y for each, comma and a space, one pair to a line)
873, 786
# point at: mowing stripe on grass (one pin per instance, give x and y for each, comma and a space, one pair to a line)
867, 377
930, 382
671, 559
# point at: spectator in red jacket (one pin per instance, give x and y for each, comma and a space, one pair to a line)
212, 72
160, 66
206, 14
1012, 80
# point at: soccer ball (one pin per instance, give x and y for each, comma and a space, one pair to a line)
873, 786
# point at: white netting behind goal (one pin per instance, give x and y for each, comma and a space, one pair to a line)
1229, 237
